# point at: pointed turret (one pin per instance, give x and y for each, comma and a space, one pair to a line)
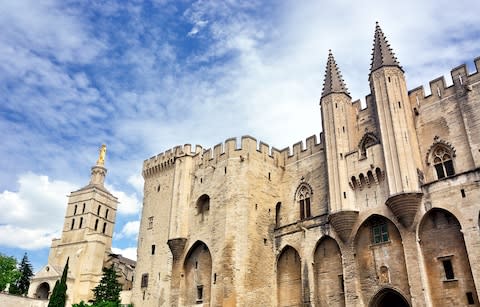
382, 54
333, 78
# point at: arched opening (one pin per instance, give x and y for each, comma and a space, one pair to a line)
371, 180
289, 281
203, 205
388, 298
198, 274
43, 291
446, 260
304, 193
363, 183
354, 182
328, 270
380, 257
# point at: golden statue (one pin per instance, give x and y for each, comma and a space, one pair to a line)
101, 157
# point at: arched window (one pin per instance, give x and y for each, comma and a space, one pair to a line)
369, 139
442, 161
73, 224
96, 224
203, 205
304, 193
98, 210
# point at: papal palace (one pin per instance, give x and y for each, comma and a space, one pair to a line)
381, 209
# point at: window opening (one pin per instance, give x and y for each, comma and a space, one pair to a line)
83, 210
199, 293
380, 233
470, 299
98, 210
304, 202
462, 191
144, 282
442, 161
106, 214
73, 224
341, 283
81, 222
75, 211
96, 224
153, 249
104, 227
150, 222
448, 268
277, 214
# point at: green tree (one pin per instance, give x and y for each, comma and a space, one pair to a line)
108, 290
8, 271
23, 282
59, 293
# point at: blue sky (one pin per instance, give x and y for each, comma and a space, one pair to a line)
144, 76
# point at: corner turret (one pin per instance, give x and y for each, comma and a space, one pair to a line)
397, 130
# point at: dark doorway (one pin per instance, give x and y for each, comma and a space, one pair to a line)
388, 298
43, 291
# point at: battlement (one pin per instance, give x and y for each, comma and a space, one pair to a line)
249, 148
461, 83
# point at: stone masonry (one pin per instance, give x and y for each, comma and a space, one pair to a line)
382, 209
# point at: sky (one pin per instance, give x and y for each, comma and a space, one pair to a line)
144, 76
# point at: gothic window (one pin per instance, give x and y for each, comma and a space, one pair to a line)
369, 139
380, 233
303, 197
443, 163
144, 282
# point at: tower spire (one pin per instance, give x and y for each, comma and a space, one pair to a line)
382, 54
333, 78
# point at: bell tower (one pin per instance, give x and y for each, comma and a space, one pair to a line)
86, 237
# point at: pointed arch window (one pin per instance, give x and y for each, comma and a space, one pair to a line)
303, 196
442, 161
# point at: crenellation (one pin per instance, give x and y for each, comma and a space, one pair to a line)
437, 87
264, 148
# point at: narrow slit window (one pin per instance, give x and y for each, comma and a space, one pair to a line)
73, 224
153, 249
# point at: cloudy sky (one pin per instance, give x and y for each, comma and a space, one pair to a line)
143, 76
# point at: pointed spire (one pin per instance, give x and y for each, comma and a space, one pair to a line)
382, 54
333, 78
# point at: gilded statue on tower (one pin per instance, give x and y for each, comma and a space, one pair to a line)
101, 157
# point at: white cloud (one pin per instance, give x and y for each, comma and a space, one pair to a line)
129, 252
136, 180
34, 215
129, 203
129, 230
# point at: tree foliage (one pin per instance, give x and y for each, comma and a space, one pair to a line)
59, 294
108, 290
8, 271
20, 286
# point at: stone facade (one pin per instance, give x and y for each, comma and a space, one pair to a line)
381, 210
86, 241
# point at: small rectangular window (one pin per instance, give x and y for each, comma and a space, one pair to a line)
470, 299
150, 222
448, 268
144, 282
199, 293
153, 249
462, 191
